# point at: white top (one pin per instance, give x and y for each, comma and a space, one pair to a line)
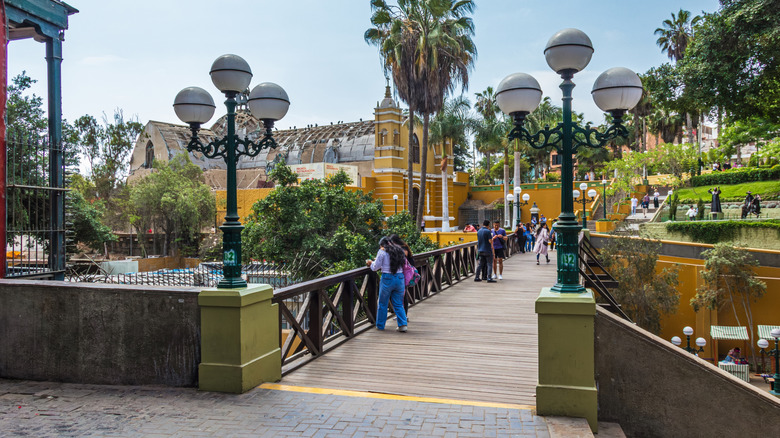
634, 202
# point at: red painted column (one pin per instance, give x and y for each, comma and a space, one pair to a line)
3, 96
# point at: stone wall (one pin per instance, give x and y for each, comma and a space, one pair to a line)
654, 389
99, 333
747, 237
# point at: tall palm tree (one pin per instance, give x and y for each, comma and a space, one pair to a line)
675, 34
547, 114
673, 38
427, 46
452, 124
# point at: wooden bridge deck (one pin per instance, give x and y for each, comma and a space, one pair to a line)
473, 341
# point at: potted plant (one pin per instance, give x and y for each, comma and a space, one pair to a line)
605, 225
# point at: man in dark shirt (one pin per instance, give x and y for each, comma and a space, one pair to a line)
485, 248
499, 243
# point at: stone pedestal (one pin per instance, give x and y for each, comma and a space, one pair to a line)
567, 383
239, 339
716, 215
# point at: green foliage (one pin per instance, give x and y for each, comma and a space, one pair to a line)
552, 177
673, 204
732, 62
736, 176
24, 114
719, 231
336, 226
403, 225
674, 159
769, 190
86, 221
644, 294
175, 199
729, 278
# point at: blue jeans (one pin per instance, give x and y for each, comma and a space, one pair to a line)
392, 288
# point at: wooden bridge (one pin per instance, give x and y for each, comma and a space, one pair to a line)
467, 340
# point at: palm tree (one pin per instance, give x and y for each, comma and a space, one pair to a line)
546, 114
427, 46
675, 34
453, 123
673, 38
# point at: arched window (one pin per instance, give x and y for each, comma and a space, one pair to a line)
383, 137
149, 155
415, 149
396, 138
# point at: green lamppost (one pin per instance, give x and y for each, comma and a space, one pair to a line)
615, 91
604, 194
776, 353
688, 332
395, 199
194, 106
591, 196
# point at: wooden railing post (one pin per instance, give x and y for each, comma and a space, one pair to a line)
347, 303
372, 293
315, 320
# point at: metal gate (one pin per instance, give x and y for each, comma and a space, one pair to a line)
35, 193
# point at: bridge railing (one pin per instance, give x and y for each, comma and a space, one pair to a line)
319, 315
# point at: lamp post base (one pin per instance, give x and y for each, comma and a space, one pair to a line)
567, 383
567, 243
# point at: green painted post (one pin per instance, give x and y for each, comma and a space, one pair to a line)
56, 167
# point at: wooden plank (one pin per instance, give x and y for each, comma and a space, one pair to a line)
473, 341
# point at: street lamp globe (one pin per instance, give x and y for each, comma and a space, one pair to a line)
763, 343
395, 197
617, 90
518, 94
676, 340
576, 194
583, 187
569, 49
700, 342
688, 331
526, 197
510, 197
517, 190
604, 182
194, 105
592, 193
776, 333
268, 101
231, 74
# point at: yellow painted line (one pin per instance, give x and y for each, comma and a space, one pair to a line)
383, 396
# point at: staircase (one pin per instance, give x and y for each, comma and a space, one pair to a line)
595, 276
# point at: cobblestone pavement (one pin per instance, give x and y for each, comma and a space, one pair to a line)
45, 409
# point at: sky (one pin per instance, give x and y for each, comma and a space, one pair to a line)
137, 55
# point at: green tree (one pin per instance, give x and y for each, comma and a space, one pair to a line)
643, 293
742, 132
733, 62
674, 36
176, 200
729, 279
86, 220
319, 219
452, 124
24, 113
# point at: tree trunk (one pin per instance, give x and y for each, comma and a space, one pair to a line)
689, 126
423, 170
410, 164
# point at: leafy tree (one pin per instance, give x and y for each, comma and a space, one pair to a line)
733, 62
404, 226
643, 293
742, 132
319, 218
452, 124
87, 223
175, 199
729, 279
25, 115
675, 34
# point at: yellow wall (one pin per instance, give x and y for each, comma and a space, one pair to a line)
245, 199
452, 238
766, 311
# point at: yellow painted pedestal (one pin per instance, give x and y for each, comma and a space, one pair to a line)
239, 339
567, 383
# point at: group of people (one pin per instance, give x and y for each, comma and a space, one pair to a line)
391, 258
645, 203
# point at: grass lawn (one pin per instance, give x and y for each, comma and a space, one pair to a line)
769, 190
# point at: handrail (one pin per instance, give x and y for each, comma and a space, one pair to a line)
588, 253
343, 305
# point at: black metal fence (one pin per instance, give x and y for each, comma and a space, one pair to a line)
35, 193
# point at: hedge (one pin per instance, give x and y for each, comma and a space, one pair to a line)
736, 176
719, 231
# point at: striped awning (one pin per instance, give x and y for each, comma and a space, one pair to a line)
765, 331
731, 333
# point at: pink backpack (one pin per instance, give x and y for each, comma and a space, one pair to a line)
411, 276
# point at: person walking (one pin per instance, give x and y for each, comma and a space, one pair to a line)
553, 235
498, 236
397, 241
645, 205
520, 236
485, 249
656, 195
541, 243
634, 203
390, 260
529, 228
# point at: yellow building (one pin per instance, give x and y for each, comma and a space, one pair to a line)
378, 149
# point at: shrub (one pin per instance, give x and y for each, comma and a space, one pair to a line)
700, 206
719, 231
737, 176
673, 203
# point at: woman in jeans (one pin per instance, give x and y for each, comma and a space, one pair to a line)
397, 241
390, 260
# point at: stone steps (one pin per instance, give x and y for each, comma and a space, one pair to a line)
568, 427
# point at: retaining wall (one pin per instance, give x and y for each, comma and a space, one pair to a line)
99, 333
654, 389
